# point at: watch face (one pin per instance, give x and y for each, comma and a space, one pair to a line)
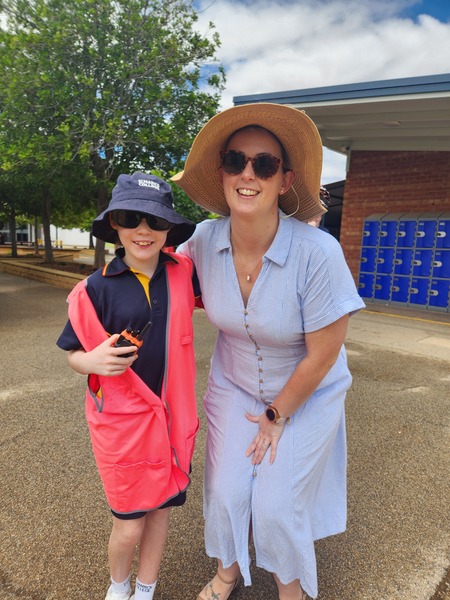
270, 413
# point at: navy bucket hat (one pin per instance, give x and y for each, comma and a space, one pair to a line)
146, 194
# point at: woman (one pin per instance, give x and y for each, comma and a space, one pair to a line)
280, 293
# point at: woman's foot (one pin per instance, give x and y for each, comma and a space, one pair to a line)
218, 589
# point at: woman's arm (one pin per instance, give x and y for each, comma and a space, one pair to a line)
322, 350
102, 360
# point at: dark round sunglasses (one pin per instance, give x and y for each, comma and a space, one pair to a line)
130, 219
264, 165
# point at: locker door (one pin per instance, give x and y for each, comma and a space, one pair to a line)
418, 293
385, 260
400, 288
443, 231
422, 262
426, 233
366, 285
441, 263
403, 261
440, 293
406, 232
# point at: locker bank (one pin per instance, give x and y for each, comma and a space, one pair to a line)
405, 260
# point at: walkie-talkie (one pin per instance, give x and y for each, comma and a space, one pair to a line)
132, 337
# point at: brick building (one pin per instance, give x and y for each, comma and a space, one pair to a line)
395, 220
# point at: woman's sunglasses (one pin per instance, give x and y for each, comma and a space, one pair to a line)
131, 219
264, 165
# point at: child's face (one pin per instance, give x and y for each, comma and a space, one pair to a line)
141, 243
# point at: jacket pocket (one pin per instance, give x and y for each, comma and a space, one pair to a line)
141, 486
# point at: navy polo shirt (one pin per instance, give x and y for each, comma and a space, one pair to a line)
120, 302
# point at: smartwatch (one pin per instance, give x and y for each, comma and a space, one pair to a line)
273, 415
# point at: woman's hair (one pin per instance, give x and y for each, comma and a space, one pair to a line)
284, 155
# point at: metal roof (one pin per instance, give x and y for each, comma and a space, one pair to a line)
398, 114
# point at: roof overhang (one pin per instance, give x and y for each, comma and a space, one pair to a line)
401, 114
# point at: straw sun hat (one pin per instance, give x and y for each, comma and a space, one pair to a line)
201, 180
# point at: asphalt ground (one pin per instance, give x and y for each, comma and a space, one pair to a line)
54, 521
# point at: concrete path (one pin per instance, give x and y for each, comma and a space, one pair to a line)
54, 522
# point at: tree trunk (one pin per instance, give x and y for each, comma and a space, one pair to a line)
46, 227
36, 232
102, 203
12, 231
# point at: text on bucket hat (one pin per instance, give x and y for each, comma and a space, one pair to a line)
201, 180
146, 194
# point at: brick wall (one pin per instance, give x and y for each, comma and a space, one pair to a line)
391, 182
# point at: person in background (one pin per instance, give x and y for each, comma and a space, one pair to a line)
140, 400
317, 221
280, 294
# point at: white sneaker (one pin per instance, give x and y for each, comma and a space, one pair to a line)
115, 596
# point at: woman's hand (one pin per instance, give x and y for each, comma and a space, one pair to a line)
104, 359
268, 436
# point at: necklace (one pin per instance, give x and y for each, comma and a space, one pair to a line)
248, 274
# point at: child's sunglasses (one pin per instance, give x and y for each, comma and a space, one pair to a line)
264, 165
130, 219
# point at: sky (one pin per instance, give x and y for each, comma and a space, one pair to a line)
274, 46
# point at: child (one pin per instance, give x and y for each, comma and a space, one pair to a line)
140, 402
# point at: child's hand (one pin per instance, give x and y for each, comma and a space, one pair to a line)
104, 359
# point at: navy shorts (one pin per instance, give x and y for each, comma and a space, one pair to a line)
177, 501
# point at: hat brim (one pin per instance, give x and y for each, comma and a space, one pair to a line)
180, 232
201, 180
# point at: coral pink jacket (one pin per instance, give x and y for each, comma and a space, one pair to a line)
143, 444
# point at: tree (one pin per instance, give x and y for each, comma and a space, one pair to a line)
112, 85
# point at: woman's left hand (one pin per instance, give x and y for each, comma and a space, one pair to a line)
268, 436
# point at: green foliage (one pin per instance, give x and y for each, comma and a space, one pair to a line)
94, 88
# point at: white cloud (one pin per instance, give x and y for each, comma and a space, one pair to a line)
299, 44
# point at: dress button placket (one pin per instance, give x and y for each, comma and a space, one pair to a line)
259, 357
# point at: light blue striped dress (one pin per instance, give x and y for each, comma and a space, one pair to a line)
304, 285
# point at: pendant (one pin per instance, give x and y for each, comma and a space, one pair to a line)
248, 277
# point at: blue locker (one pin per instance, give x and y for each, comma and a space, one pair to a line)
366, 285
371, 230
406, 234
418, 293
443, 231
400, 288
440, 293
385, 260
422, 263
368, 256
426, 230
382, 287
441, 263
388, 230
403, 261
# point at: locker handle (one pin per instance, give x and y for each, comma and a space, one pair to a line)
414, 290
383, 233
441, 234
401, 234
380, 261
420, 234
398, 261
434, 293
437, 263
395, 288
377, 286
416, 263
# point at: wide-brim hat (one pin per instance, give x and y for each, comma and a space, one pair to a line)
146, 194
201, 180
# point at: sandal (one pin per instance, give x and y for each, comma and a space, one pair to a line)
208, 592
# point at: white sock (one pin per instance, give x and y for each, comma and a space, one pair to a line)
144, 591
121, 588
